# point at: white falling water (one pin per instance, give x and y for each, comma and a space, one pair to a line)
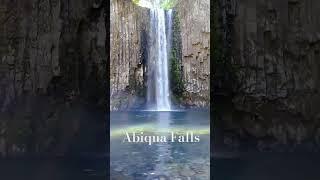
158, 78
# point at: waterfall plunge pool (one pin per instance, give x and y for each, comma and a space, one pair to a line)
174, 160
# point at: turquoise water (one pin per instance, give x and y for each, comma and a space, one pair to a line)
168, 159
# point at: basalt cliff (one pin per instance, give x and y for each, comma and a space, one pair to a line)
52, 77
189, 60
266, 74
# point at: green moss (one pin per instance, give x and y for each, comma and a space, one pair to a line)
176, 80
177, 86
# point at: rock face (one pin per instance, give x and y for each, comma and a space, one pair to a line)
129, 53
195, 35
53, 69
128, 35
52, 74
274, 50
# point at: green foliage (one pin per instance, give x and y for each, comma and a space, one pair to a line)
168, 4
165, 4
136, 1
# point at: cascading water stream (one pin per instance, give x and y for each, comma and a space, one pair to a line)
158, 76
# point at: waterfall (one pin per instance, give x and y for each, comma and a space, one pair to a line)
158, 93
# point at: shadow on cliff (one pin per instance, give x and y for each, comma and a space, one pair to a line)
54, 123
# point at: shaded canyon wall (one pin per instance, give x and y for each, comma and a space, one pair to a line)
52, 76
272, 48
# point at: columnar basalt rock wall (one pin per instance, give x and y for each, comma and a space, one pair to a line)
274, 49
128, 36
194, 16
52, 65
130, 47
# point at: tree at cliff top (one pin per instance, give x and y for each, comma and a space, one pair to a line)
168, 4
164, 4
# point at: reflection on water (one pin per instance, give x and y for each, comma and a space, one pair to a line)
163, 150
170, 159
